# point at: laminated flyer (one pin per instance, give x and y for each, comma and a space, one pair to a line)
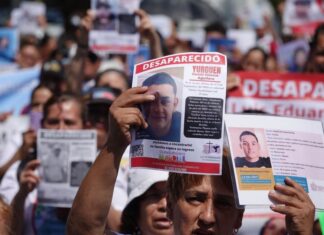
65, 157
114, 27
185, 121
267, 149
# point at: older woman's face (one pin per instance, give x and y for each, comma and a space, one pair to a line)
208, 208
153, 217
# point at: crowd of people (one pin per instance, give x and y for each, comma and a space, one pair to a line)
79, 89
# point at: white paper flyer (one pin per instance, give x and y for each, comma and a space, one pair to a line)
267, 149
185, 132
114, 27
65, 157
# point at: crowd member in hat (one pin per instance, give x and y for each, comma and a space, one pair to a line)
196, 204
145, 212
98, 101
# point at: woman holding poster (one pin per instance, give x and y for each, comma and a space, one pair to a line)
197, 204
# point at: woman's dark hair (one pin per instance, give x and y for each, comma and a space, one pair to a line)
122, 74
265, 55
129, 217
319, 30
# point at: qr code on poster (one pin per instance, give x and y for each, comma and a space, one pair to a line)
137, 150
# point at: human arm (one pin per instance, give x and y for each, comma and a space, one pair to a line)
29, 140
292, 200
92, 202
28, 181
147, 31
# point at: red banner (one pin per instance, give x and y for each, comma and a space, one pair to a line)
284, 94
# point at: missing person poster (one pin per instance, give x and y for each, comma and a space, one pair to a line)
185, 132
65, 157
303, 16
29, 17
114, 27
264, 155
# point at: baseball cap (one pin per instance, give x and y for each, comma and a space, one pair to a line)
140, 180
100, 95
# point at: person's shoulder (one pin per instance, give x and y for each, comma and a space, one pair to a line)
239, 161
176, 114
265, 161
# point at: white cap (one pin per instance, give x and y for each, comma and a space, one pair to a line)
110, 64
140, 180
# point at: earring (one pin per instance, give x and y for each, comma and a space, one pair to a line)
235, 231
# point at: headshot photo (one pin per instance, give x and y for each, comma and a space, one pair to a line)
162, 115
252, 155
105, 19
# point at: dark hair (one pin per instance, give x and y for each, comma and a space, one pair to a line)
244, 133
65, 98
130, 216
177, 183
264, 54
319, 30
38, 87
120, 72
216, 26
159, 79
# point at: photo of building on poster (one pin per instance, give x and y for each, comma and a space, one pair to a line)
251, 158
162, 115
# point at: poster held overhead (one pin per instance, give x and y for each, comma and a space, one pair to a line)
185, 121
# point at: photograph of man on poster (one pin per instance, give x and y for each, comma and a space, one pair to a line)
249, 144
104, 17
161, 114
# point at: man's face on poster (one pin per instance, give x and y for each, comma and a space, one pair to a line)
250, 147
159, 112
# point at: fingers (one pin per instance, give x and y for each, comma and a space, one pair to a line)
32, 165
28, 181
132, 97
134, 117
284, 199
141, 13
290, 198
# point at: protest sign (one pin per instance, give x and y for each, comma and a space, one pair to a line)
245, 39
16, 87
303, 16
27, 18
293, 55
264, 155
65, 157
283, 94
114, 27
185, 132
221, 45
9, 42
10, 133
140, 56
